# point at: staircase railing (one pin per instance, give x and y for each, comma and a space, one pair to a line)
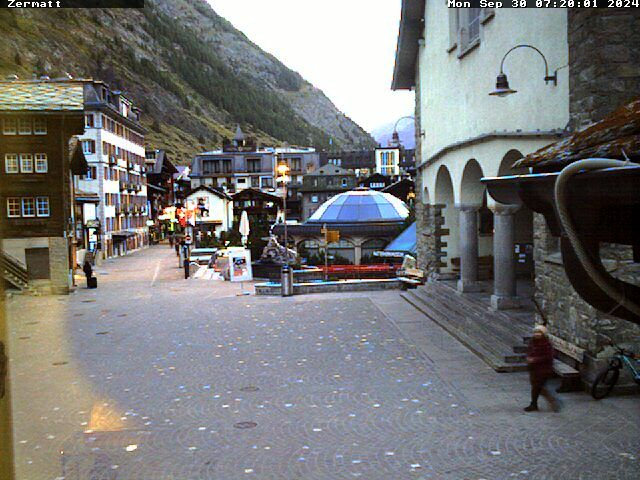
14, 268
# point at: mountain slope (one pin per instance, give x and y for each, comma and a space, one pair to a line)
194, 75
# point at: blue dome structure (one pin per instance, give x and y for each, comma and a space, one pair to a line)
361, 206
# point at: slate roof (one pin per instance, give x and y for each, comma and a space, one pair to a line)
41, 96
617, 133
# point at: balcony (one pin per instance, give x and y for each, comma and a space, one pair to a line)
123, 185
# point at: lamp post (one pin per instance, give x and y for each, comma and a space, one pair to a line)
283, 170
395, 136
502, 83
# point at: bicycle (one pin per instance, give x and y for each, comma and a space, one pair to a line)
607, 379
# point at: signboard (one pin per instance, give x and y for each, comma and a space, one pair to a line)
240, 265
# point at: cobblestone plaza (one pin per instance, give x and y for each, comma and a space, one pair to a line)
155, 377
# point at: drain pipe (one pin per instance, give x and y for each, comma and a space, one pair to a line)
561, 197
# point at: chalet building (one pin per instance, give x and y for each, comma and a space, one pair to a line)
362, 162
214, 210
259, 205
403, 189
243, 164
37, 121
475, 125
376, 181
321, 185
160, 188
113, 144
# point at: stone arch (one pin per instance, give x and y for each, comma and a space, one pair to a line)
448, 241
523, 219
506, 165
472, 191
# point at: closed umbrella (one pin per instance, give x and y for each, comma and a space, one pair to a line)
244, 227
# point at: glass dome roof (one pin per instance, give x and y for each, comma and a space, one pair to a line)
358, 206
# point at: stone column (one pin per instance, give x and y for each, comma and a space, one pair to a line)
504, 261
468, 248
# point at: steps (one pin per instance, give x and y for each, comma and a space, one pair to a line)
496, 337
14, 272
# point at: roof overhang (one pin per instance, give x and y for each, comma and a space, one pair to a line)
411, 30
605, 208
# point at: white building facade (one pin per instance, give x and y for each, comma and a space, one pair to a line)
113, 144
214, 210
451, 57
388, 161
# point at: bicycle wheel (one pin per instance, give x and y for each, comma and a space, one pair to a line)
604, 382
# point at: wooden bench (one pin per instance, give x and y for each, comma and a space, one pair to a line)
569, 375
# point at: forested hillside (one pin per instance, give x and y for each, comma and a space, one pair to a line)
193, 74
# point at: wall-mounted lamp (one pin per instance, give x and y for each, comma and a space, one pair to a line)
502, 83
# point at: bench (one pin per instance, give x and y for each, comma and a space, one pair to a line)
569, 375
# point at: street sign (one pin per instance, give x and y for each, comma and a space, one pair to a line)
331, 236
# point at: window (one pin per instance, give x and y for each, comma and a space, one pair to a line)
314, 199
295, 164
253, 165
28, 207
26, 163
255, 182
454, 15
266, 182
11, 163
42, 206
42, 163
88, 120
24, 126
40, 126
226, 164
88, 146
9, 126
13, 207
473, 24
92, 173
344, 182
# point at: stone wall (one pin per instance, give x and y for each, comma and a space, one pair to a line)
571, 318
59, 265
429, 238
604, 61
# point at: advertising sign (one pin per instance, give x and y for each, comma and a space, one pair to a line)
240, 265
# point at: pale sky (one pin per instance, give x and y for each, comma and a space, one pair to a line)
346, 48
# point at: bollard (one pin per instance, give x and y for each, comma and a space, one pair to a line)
286, 281
185, 264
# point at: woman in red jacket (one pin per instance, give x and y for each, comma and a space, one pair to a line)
540, 361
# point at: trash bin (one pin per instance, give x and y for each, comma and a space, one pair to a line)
286, 281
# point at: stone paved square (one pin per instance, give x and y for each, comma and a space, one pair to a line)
154, 377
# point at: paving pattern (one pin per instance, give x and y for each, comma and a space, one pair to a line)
154, 377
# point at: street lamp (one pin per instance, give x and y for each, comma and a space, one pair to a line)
395, 138
283, 169
502, 82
